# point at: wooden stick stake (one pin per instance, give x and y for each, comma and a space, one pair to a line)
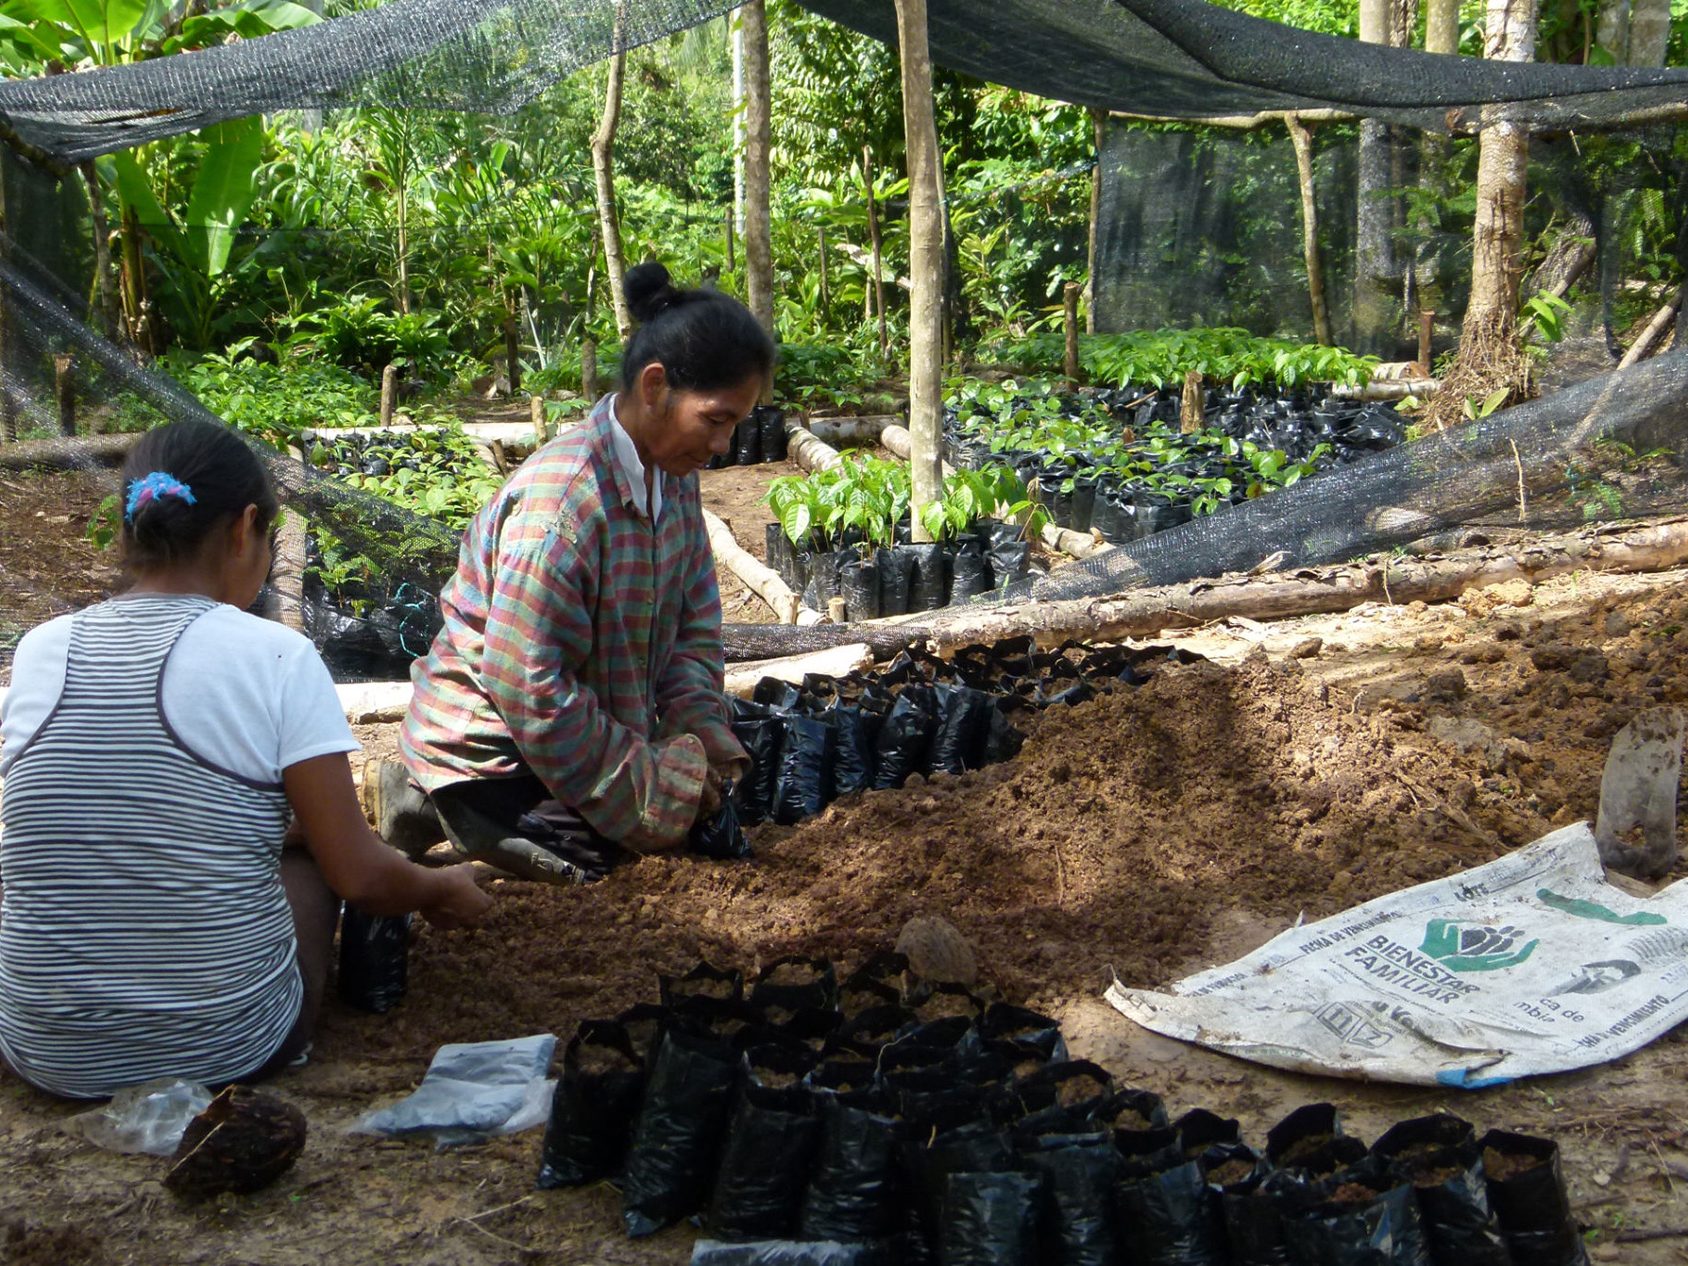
64, 392
389, 394
1190, 412
536, 413
1069, 325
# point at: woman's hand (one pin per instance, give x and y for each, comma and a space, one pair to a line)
713, 791
460, 903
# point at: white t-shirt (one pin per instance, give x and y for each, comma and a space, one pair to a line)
247, 694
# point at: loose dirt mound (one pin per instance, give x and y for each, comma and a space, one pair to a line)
1124, 828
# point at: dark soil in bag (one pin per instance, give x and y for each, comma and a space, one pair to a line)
854, 1190
1017, 1024
593, 1107
1311, 1138
1133, 1111
643, 1022
702, 981
929, 584
796, 981
964, 721
1453, 1201
680, 1130
1079, 1173
868, 1032
859, 583
905, 737
374, 959
770, 1147
720, 835
1063, 1098
805, 766
990, 1219
896, 579
1527, 1191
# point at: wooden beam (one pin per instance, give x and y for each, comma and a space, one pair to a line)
760, 579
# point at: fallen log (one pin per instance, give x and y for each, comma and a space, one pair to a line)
1322, 590
1389, 389
864, 429
807, 450
835, 661
64, 453
1062, 540
1645, 341
758, 577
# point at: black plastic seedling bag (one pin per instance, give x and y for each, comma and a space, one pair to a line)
855, 1186
1064, 1098
905, 737
1018, 1024
1199, 1129
1079, 1173
929, 1160
747, 442
1084, 502
1357, 1226
930, 583
790, 1253
823, 583
896, 577
720, 836
643, 1022
1171, 1218
1253, 1212
858, 581
704, 980
1009, 560
990, 1219
680, 1129
970, 572
1133, 1111
1311, 1138
852, 749
770, 1147
964, 717
796, 982
1438, 1156
759, 732
868, 1032
770, 423
374, 959
593, 1107
1527, 1191
805, 766
878, 981
777, 546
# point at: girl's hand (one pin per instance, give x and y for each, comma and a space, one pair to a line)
460, 902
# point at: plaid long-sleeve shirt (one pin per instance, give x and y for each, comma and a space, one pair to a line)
582, 643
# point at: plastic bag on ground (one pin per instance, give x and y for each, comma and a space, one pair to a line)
474, 1091
148, 1118
789, 1253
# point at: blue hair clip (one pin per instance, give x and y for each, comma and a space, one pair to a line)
152, 487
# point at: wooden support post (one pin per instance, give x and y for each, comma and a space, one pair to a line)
1302, 140
64, 391
835, 610
1191, 415
1426, 327
589, 368
512, 355
926, 263
1069, 325
389, 394
536, 414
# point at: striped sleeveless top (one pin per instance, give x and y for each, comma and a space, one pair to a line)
144, 931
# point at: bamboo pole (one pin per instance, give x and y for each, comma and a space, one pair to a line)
926, 263
760, 579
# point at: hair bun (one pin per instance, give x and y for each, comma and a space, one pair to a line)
649, 291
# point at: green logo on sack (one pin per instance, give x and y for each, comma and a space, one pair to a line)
1475, 946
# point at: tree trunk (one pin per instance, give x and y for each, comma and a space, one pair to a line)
1635, 32
105, 294
603, 168
1441, 35
758, 240
1573, 250
737, 223
1373, 251
1489, 355
1302, 139
876, 296
926, 261
1098, 119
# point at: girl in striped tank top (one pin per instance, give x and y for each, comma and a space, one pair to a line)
154, 749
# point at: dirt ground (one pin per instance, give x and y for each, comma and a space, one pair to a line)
1309, 766
47, 565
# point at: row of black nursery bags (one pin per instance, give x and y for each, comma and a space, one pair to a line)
759, 438
889, 1120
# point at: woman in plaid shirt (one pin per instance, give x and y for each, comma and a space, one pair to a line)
573, 699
